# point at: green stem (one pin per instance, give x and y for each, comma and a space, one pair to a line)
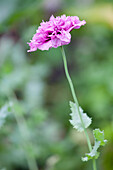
94, 164
76, 101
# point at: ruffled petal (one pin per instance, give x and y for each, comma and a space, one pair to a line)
33, 47
45, 45
56, 42
64, 37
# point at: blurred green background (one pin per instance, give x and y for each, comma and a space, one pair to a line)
38, 81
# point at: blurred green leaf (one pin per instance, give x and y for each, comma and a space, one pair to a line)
4, 112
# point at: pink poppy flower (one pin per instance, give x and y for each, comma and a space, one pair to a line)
55, 32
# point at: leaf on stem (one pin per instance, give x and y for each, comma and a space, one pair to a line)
75, 118
99, 136
99, 141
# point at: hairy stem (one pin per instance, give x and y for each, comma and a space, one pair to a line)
76, 101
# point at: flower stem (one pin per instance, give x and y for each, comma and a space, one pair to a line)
94, 164
76, 101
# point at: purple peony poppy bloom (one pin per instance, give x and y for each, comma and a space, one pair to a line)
55, 32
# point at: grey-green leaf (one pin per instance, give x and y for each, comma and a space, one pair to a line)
99, 141
75, 118
93, 153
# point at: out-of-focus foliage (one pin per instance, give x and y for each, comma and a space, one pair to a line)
37, 80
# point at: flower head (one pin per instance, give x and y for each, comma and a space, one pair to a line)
55, 32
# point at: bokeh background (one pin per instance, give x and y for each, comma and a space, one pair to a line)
38, 81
